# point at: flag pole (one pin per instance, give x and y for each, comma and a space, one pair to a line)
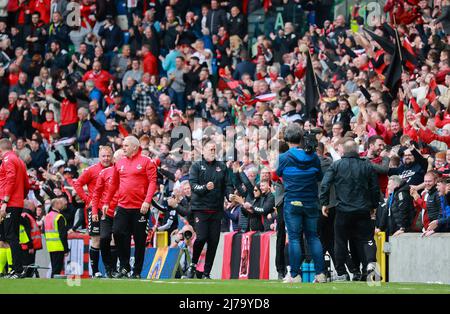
397, 38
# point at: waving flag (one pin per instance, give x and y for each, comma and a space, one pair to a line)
245, 98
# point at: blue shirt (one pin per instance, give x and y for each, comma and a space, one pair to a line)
300, 172
169, 63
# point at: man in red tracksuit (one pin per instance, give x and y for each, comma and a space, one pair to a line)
14, 186
89, 178
109, 252
100, 77
134, 178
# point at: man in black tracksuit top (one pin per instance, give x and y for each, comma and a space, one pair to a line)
357, 193
210, 183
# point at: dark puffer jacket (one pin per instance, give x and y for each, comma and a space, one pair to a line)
433, 204
399, 210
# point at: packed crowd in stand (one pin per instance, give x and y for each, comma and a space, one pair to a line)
131, 74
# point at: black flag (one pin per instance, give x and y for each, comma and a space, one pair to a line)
394, 71
311, 88
382, 41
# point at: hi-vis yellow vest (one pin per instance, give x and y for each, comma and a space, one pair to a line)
23, 237
54, 243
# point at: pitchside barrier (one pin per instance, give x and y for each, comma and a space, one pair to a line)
251, 255
414, 258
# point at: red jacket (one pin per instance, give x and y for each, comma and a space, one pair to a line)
89, 178
427, 136
69, 114
383, 132
150, 64
382, 178
438, 122
137, 178
101, 79
101, 191
43, 7
47, 128
13, 179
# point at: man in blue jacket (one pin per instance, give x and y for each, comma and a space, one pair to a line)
300, 171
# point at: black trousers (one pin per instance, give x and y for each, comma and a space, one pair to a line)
280, 254
11, 226
207, 227
28, 259
106, 231
57, 261
358, 228
127, 223
325, 229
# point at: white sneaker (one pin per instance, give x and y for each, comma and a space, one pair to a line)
289, 279
320, 278
344, 277
98, 275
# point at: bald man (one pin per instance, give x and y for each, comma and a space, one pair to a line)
89, 179
107, 246
134, 180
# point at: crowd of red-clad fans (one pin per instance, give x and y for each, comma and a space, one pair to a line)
145, 68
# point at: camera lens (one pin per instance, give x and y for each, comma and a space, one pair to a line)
187, 234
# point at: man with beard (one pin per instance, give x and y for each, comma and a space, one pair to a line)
379, 159
57, 58
413, 168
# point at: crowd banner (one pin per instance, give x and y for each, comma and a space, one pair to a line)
264, 260
227, 252
248, 255
244, 263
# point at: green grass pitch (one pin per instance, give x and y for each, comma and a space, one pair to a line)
175, 286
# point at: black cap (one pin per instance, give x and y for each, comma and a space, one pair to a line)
67, 169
